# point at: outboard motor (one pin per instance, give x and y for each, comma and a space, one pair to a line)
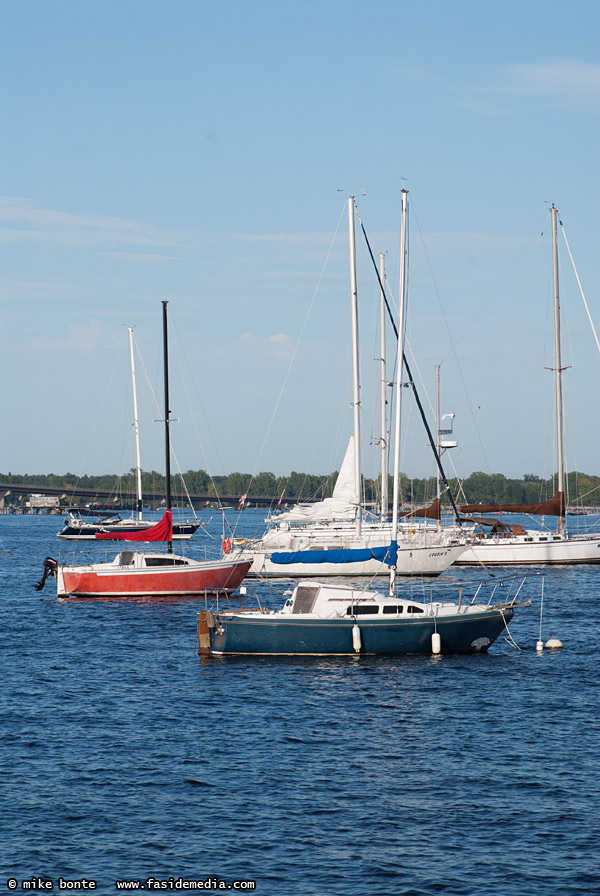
50, 568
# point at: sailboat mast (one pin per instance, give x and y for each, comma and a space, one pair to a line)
136, 430
167, 415
398, 408
355, 361
384, 428
558, 370
438, 435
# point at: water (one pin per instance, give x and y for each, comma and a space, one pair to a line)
127, 756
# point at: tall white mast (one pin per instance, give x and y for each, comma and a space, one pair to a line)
558, 371
438, 424
355, 362
399, 364
384, 426
138, 468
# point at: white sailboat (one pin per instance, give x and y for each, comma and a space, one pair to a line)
78, 528
334, 537
513, 545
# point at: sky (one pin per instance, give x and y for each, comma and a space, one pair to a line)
204, 153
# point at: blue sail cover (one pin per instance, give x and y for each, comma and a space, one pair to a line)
388, 554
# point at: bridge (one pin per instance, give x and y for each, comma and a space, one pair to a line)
106, 499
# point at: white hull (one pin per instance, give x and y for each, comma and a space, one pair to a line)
414, 561
532, 548
422, 550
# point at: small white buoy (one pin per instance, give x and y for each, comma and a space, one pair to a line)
436, 643
356, 639
539, 646
554, 644
242, 589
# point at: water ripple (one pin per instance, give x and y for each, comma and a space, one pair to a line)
124, 754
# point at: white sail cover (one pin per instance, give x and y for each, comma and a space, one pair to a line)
342, 505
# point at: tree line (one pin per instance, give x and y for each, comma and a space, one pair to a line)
477, 488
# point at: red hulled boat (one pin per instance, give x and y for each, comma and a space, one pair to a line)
148, 573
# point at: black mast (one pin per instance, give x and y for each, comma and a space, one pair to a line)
167, 413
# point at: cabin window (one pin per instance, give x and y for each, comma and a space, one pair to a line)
542, 539
412, 609
529, 539
387, 608
165, 561
362, 610
306, 596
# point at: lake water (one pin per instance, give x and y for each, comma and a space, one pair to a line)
126, 756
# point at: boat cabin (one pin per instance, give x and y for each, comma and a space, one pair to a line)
140, 560
323, 600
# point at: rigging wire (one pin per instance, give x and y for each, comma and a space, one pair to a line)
412, 382
580, 286
159, 412
283, 385
591, 322
93, 436
298, 341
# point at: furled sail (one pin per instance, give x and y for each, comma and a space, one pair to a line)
163, 531
433, 512
343, 503
556, 506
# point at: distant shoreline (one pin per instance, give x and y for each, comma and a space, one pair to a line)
265, 490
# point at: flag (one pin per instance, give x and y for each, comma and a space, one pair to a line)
242, 499
281, 498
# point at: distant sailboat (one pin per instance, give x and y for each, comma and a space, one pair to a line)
78, 528
509, 545
148, 574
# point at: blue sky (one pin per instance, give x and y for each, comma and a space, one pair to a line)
202, 153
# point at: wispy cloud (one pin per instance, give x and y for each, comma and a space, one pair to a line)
277, 345
94, 337
563, 80
24, 222
138, 256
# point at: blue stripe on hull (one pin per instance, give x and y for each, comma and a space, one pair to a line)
466, 634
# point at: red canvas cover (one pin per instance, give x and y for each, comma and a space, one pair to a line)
163, 531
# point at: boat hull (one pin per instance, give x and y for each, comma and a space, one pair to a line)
414, 561
531, 551
107, 580
244, 635
88, 531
